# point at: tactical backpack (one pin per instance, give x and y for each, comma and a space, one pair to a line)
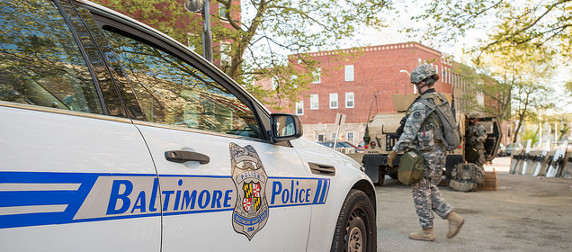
448, 130
467, 177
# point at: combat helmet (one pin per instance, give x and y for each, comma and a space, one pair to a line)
474, 115
423, 72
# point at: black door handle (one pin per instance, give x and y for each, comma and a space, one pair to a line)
184, 156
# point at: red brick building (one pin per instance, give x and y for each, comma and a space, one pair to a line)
348, 87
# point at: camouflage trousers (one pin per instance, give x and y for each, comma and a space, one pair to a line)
481, 160
426, 195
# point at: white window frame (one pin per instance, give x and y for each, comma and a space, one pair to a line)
300, 108
349, 72
317, 76
294, 80
314, 101
225, 58
351, 140
189, 38
222, 12
334, 136
333, 100
274, 83
350, 98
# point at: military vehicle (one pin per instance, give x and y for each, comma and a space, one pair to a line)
380, 136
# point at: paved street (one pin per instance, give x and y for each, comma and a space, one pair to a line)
526, 214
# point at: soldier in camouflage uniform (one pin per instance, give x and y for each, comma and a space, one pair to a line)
419, 134
477, 134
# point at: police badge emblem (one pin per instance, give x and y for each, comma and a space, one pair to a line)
251, 210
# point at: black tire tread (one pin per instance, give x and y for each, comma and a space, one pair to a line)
355, 198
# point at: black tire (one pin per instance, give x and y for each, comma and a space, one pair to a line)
356, 228
381, 177
393, 175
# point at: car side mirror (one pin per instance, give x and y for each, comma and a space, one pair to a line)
285, 127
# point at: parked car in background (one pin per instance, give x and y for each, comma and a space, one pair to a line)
343, 147
502, 150
359, 149
361, 144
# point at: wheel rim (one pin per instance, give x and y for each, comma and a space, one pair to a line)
356, 231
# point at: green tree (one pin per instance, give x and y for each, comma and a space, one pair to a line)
525, 71
258, 34
529, 23
531, 135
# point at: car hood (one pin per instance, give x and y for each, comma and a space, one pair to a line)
315, 153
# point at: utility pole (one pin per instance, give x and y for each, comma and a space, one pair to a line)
207, 35
204, 5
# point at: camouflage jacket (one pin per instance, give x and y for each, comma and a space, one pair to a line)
477, 134
418, 133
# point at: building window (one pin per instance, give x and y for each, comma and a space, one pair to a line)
349, 73
333, 136
294, 81
334, 101
480, 99
419, 61
314, 101
320, 138
350, 137
193, 40
316, 76
350, 100
222, 11
300, 108
225, 59
449, 74
274, 83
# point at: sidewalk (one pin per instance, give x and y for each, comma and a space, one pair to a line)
501, 164
526, 214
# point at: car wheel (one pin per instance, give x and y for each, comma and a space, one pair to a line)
356, 227
381, 177
393, 175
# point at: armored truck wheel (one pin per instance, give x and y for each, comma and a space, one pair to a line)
393, 175
381, 178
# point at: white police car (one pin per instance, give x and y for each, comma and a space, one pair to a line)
114, 137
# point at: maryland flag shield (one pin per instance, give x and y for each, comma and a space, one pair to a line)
251, 210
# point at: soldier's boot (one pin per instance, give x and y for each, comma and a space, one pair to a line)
455, 224
424, 235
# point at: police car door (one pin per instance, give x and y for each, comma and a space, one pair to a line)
223, 185
62, 146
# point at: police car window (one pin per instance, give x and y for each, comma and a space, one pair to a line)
173, 92
40, 62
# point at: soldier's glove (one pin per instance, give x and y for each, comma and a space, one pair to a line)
390, 158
